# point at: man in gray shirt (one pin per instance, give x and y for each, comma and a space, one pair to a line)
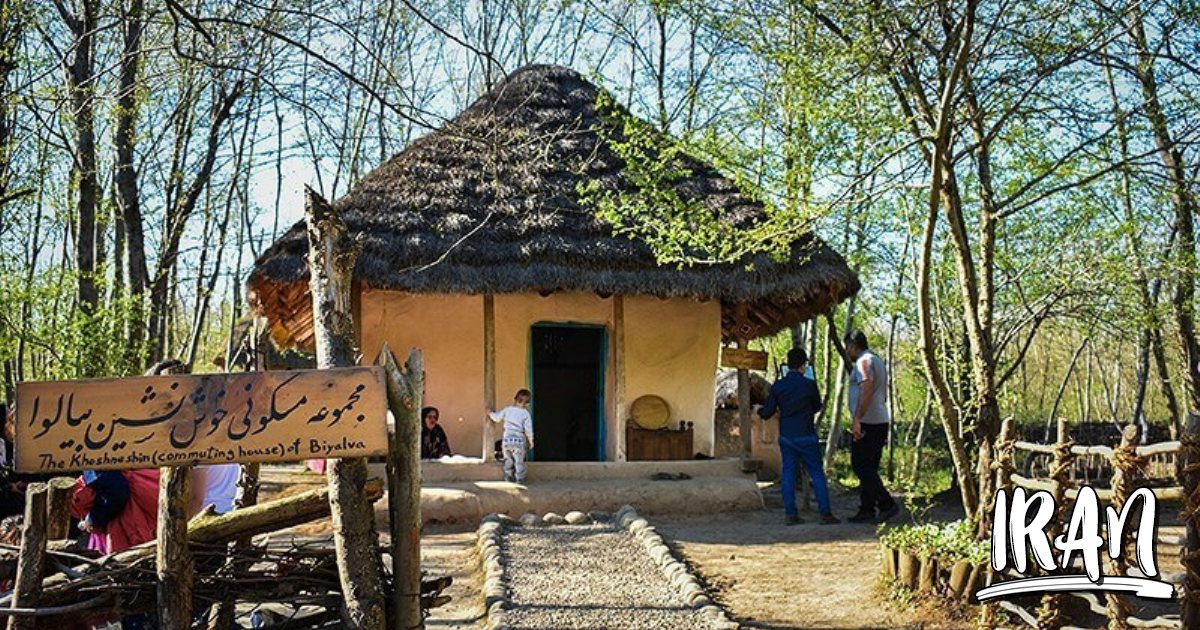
869, 410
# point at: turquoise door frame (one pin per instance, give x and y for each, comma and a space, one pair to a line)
601, 383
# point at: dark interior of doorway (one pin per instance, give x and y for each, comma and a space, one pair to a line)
568, 392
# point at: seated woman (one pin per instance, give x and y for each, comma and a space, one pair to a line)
434, 444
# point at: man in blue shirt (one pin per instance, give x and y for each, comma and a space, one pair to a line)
797, 400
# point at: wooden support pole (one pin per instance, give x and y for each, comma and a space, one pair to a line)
1127, 465
744, 421
1060, 479
332, 254
1190, 553
1004, 466
27, 589
489, 374
619, 411
58, 508
405, 389
741, 335
173, 559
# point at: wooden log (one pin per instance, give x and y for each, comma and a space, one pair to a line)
60, 490
908, 568
405, 389
209, 528
51, 611
1189, 611
1169, 493
27, 589
1159, 448
173, 559
332, 254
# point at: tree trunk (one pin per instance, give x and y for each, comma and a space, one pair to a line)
131, 235
1183, 202
1062, 389
1164, 379
12, 25
332, 254
745, 429
81, 81
835, 427
893, 403
926, 411
178, 214
947, 410
1190, 601
405, 390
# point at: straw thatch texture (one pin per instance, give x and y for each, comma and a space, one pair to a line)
489, 204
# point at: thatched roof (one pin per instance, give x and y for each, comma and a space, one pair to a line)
489, 204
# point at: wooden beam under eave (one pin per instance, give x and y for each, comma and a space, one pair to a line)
489, 372
743, 386
619, 374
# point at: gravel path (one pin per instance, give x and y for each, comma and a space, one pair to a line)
589, 576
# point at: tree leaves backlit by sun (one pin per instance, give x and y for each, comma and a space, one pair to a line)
654, 205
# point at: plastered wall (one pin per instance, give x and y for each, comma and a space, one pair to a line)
671, 349
449, 331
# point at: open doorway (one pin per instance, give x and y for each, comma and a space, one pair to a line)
568, 392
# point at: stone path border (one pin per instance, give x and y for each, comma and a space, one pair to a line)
495, 583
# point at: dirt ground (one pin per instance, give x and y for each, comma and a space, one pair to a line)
806, 576
766, 575
452, 552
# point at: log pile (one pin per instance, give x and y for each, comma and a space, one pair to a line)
283, 580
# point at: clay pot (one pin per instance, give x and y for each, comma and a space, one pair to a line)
908, 569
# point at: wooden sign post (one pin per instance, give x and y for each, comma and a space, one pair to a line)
743, 358
173, 421
178, 420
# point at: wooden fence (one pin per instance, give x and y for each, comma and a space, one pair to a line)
1060, 469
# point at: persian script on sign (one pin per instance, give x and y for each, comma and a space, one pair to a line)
153, 421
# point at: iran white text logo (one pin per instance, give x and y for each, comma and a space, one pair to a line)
1019, 529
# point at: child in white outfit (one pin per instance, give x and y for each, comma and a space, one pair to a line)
518, 428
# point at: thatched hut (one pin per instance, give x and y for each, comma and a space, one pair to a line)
478, 250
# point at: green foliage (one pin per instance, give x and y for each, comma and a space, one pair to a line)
948, 542
653, 206
69, 342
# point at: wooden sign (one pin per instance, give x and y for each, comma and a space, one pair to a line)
743, 359
154, 421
